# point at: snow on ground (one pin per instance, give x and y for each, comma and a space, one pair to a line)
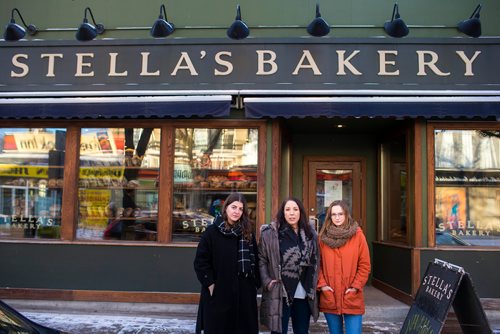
118, 324
112, 324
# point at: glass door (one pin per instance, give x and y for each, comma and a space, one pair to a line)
328, 181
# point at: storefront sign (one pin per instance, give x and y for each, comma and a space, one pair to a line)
442, 286
113, 173
253, 64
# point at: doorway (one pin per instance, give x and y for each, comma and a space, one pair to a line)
326, 179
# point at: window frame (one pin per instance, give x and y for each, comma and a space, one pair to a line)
431, 185
407, 132
69, 214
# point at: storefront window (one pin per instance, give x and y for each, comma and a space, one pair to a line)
393, 190
467, 180
31, 182
210, 164
118, 184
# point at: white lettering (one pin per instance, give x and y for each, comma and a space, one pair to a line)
112, 66
25, 68
383, 62
346, 63
50, 63
422, 64
468, 62
261, 62
144, 70
189, 65
311, 63
80, 65
228, 65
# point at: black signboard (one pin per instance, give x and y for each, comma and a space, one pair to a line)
254, 64
442, 286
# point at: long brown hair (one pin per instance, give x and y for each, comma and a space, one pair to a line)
328, 219
303, 222
246, 223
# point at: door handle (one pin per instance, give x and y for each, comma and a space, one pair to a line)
314, 222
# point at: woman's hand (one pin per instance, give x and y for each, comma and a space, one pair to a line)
211, 289
326, 288
349, 290
270, 284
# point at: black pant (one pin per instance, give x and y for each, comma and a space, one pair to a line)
300, 313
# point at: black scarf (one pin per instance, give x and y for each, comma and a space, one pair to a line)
246, 254
297, 262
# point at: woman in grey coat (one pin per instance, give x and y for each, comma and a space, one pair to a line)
289, 265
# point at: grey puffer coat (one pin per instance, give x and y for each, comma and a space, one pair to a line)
271, 306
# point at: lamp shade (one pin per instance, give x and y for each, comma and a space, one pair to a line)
161, 27
86, 31
396, 27
14, 31
239, 29
318, 27
472, 26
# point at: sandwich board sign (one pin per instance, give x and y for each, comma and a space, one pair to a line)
443, 285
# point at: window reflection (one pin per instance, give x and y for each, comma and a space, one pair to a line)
467, 180
208, 165
31, 182
118, 196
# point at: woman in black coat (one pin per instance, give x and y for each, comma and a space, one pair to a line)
226, 265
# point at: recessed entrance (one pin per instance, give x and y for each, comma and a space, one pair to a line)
334, 178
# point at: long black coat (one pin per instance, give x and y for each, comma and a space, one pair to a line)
232, 309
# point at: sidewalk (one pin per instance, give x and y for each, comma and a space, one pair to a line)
383, 315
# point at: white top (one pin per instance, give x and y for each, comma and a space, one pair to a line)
300, 293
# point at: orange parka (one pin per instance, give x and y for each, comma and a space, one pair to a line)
341, 268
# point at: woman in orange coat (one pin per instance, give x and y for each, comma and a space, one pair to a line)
345, 266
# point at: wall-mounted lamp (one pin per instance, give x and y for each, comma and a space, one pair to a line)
88, 32
161, 27
14, 32
239, 29
318, 27
472, 26
396, 27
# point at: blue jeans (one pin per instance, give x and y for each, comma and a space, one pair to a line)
352, 323
300, 313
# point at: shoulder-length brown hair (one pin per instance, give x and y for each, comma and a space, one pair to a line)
246, 223
328, 219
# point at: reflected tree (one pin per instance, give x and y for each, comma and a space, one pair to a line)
133, 161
